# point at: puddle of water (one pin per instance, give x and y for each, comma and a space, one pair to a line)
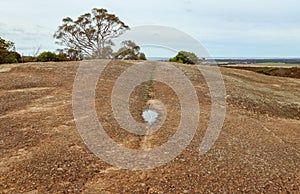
150, 116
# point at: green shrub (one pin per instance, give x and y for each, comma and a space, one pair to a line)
13, 57
8, 53
9, 57
263, 71
266, 70
47, 56
185, 57
142, 56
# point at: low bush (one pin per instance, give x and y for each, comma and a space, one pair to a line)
266, 70
185, 58
47, 56
9, 57
8, 53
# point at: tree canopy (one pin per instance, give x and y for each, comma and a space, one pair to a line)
91, 34
8, 53
129, 51
6, 45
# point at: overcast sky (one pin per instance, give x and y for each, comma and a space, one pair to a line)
227, 28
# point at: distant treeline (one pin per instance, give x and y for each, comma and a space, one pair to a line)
251, 61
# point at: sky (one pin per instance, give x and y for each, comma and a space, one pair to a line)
226, 28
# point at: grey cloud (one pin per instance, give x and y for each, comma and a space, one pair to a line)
229, 22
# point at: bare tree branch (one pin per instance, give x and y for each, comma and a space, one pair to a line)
91, 34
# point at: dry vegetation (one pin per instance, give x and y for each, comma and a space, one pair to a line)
293, 72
